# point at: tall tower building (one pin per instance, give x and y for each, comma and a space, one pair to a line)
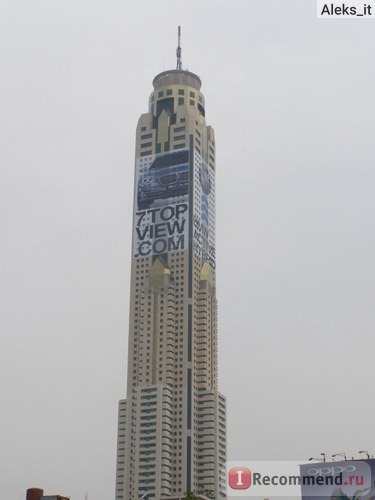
172, 425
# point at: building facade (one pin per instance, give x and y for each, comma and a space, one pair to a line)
172, 425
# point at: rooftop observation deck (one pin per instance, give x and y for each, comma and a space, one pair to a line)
177, 77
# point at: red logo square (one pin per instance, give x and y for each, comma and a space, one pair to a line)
240, 478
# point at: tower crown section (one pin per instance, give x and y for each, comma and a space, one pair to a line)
175, 88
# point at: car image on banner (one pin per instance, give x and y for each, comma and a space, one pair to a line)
166, 178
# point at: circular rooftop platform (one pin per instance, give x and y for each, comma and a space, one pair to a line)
177, 77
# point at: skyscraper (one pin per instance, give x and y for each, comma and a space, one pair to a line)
172, 425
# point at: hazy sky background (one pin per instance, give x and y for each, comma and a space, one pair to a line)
291, 99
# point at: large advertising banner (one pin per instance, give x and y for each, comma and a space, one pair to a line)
161, 212
204, 211
344, 480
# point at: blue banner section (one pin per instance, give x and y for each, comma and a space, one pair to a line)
204, 211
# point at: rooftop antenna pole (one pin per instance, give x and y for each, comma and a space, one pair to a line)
178, 51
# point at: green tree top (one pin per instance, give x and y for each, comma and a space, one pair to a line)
189, 495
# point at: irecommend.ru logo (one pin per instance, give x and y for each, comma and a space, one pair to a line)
240, 478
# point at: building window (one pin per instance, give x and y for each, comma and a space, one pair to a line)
179, 129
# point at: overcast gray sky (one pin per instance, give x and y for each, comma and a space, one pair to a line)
291, 99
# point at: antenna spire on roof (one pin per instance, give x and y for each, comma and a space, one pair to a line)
178, 51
